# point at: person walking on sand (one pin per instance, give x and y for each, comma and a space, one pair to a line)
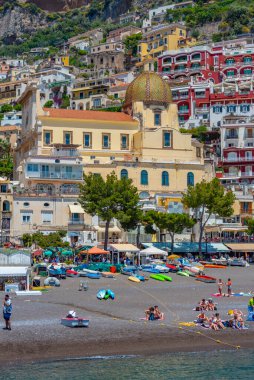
229, 285
220, 284
7, 310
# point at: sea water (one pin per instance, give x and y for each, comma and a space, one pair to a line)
218, 365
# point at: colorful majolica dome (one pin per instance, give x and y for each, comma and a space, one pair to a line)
149, 88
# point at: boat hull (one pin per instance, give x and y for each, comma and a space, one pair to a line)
75, 322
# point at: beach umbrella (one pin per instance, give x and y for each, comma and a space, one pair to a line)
173, 257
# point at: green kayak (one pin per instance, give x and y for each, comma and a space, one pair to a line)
166, 278
157, 277
183, 274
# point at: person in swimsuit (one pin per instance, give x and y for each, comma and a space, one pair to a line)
218, 321
220, 284
202, 318
203, 304
157, 313
229, 285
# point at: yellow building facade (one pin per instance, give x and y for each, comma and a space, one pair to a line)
160, 39
142, 143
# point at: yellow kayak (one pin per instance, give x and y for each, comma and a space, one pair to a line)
41, 287
133, 278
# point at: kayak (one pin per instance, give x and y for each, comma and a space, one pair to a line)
183, 274
172, 267
206, 279
194, 270
110, 293
215, 266
191, 274
133, 279
157, 277
166, 278
101, 294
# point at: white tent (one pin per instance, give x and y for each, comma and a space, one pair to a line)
153, 251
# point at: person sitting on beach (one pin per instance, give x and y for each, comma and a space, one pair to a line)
218, 321
213, 324
202, 318
71, 314
203, 304
210, 305
150, 314
157, 313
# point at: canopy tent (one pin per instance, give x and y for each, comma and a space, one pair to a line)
153, 251
122, 248
38, 252
241, 247
16, 272
190, 247
97, 251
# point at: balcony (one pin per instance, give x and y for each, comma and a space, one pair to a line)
237, 159
183, 111
76, 222
231, 137
56, 175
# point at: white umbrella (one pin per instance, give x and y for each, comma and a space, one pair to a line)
153, 251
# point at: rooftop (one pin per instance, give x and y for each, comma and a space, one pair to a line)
88, 115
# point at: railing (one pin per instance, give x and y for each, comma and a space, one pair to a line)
39, 193
64, 153
237, 159
183, 111
232, 137
76, 221
47, 175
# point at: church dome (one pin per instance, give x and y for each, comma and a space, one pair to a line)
149, 88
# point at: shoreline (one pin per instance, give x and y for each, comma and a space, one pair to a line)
151, 344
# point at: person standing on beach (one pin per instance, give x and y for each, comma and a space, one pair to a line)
220, 284
7, 310
229, 284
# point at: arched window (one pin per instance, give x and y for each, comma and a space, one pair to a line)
165, 179
6, 206
124, 173
144, 177
190, 179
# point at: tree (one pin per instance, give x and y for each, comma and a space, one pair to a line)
250, 225
110, 198
6, 108
206, 199
131, 44
6, 159
48, 104
171, 223
53, 239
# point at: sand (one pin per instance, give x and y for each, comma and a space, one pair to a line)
116, 326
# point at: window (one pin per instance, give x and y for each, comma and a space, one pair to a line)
144, 177
87, 140
157, 119
124, 173
245, 108
46, 217
190, 179
75, 217
26, 204
6, 206
247, 59
47, 137
46, 204
165, 178
106, 141
245, 207
198, 152
231, 109
32, 167
249, 133
97, 103
26, 217
3, 188
67, 138
166, 139
124, 141
217, 109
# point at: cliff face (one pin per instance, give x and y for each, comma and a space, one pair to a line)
16, 22
115, 8
59, 5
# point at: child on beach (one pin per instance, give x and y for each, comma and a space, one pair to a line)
220, 285
229, 284
203, 304
150, 315
7, 310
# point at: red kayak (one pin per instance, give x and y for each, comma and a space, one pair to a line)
71, 273
172, 267
206, 279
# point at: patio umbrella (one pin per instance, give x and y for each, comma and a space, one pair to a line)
173, 257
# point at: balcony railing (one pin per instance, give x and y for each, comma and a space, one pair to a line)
237, 159
76, 221
52, 175
231, 137
183, 111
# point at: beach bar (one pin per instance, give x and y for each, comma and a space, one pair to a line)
14, 278
121, 249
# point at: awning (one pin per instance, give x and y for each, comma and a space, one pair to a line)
241, 247
189, 247
112, 229
76, 209
153, 251
124, 247
97, 251
225, 229
13, 271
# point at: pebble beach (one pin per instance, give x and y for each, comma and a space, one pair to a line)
116, 326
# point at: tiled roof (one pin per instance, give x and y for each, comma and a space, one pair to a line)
88, 115
7, 128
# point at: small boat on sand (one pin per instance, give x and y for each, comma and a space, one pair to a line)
206, 279
71, 273
166, 277
75, 322
133, 279
157, 277
215, 266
